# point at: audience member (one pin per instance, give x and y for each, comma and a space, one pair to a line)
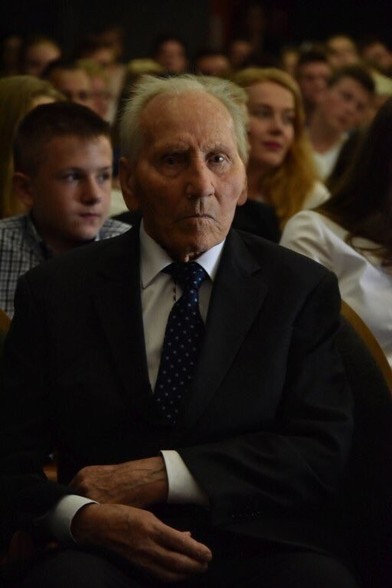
38, 52
113, 35
263, 429
351, 233
62, 173
99, 86
289, 56
18, 95
105, 55
10, 48
341, 51
312, 74
211, 62
377, 54
343, 108
72, 81
239, 51
171, 53
280, 169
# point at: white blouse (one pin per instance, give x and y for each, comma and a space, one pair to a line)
364, 284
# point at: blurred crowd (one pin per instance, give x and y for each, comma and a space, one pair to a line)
310, 108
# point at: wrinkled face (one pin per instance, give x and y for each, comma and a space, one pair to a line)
313, 81
70, 192
74, 84
188, 177
345, 105
171, 56
271, 124
39, 56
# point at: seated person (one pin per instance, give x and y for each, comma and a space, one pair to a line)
72, 81
217, 461
62, 174
312, 74
37, 52
18, 95
351, 233
281, 173
343, 108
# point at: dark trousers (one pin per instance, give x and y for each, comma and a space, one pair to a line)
236, 564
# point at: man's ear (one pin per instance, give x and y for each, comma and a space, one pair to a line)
23, 190
127, 183
244, 194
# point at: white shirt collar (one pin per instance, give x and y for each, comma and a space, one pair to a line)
153, 258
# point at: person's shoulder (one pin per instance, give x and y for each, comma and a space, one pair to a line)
280, 260
13, 233
81, 262
112, 228
318, 194
13, 224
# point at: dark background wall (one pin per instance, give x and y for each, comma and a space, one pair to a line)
199, 21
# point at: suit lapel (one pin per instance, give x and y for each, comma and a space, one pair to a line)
238, 293
118, 304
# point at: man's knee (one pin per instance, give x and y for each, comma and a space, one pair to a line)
76, 569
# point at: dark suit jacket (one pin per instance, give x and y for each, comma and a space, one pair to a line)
265, 429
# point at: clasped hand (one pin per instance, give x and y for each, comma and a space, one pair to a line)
136, 483
120, 523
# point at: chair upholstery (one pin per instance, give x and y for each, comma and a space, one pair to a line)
366, 497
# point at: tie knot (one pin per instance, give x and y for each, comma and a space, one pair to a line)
189, 274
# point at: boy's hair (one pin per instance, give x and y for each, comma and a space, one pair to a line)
359, 73
48, 121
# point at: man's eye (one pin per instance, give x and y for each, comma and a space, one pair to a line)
218, 159
171, 159
71, 177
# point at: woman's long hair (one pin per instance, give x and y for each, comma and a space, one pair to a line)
362, 202
287, 186
17, 94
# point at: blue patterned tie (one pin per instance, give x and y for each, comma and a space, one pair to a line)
182, 341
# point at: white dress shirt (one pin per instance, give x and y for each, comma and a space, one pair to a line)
363, 283
158, 294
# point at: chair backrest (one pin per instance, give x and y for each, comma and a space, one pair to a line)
369, 339
366, 497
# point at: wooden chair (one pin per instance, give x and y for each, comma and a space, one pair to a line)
370, 341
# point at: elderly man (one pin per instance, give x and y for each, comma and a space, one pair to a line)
184, 373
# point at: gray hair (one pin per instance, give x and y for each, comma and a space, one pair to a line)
229, 94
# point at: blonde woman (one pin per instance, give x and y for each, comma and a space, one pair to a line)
18, 95
280, 171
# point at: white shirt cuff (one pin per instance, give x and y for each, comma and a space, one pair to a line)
183, 487
59, 519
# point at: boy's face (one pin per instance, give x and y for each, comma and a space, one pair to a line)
70, 192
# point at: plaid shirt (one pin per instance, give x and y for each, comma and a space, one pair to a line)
22, 248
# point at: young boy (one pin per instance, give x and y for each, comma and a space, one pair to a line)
63, 172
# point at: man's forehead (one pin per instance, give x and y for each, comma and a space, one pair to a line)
173, 120
168, 105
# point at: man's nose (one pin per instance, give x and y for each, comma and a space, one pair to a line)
199, 182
